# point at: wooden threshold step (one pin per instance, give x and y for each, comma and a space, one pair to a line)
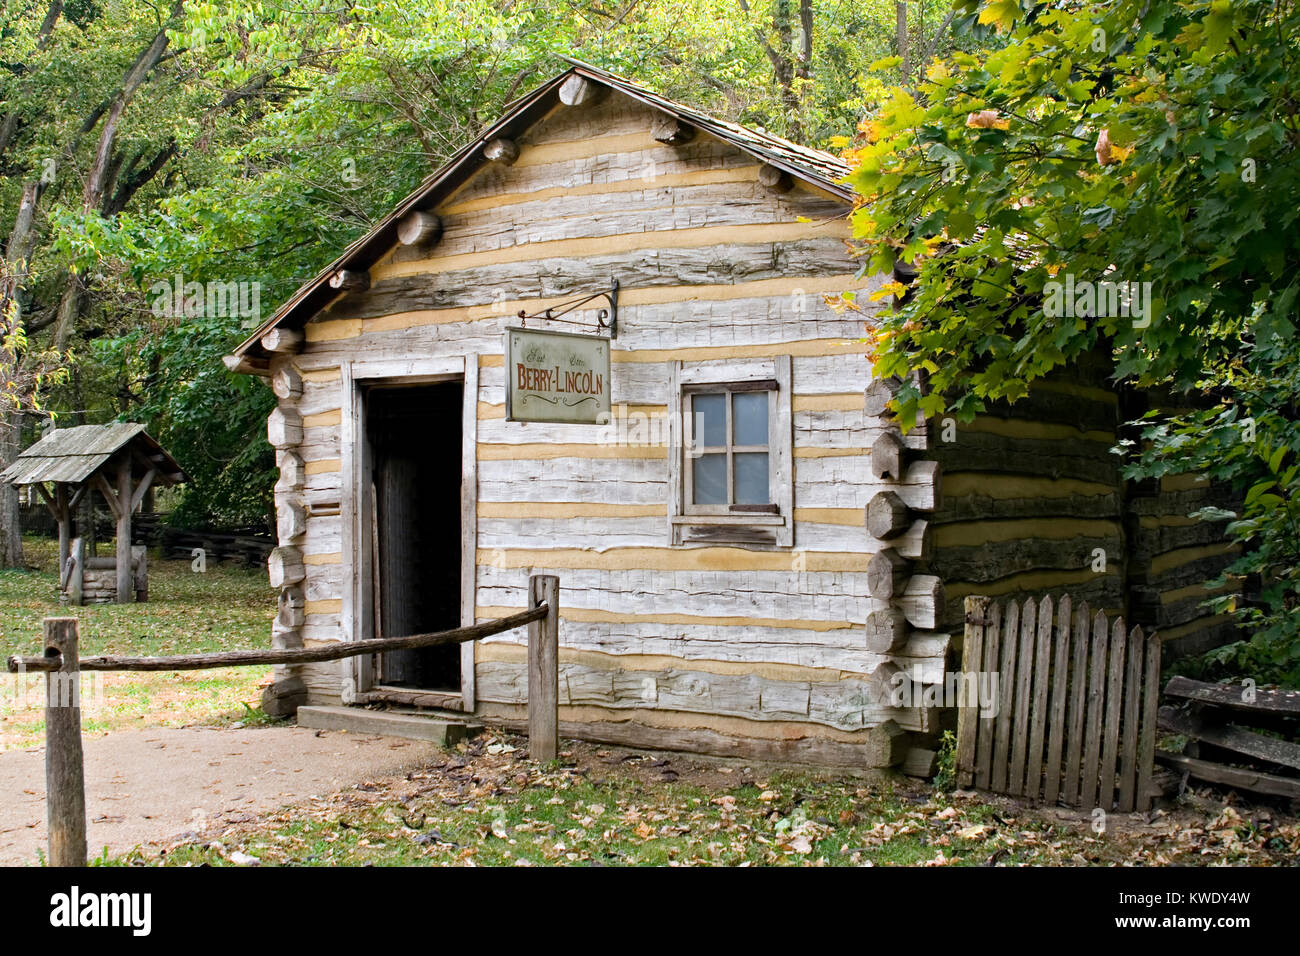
444, 731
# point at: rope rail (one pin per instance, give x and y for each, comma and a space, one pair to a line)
311, 655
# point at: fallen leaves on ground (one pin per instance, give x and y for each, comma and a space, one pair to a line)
486, 803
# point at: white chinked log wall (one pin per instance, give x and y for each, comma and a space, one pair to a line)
722, 649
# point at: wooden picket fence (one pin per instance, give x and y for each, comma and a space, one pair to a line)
1075, 721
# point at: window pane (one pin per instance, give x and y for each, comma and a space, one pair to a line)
749, 418
710, 420
751, 479
711, 479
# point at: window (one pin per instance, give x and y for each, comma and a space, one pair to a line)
728, 458
730, 468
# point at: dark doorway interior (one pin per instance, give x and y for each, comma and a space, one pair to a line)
414, 434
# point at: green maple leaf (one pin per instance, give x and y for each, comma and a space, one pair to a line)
1001, 13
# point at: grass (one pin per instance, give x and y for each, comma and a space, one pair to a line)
226, 608
486, 804
588, 823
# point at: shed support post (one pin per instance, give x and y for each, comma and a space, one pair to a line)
544, 669
125, 576
65, 783
74, 573
63, 514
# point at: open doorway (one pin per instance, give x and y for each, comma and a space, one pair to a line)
414, 434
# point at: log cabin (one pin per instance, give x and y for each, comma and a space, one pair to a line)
753, 557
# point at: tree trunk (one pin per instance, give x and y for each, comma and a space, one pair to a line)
15, 267
922, 60
782, 68
11, 534
900, 11
19, 245
102, 169
84, 520
805, 69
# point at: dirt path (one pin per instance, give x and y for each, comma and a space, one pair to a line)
150, 785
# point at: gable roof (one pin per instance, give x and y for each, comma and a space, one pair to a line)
814, 166
73, 454
822, 169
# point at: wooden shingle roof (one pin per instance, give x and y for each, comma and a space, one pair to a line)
817, 166
72, 455
814, 166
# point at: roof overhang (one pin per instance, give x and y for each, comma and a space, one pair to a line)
814, 167
73, 455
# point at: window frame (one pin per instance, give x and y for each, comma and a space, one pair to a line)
768, 525
729, 390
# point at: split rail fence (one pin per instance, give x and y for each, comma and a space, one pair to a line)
1236, 736
1075, 721
65, 791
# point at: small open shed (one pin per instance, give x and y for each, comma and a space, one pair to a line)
122, 463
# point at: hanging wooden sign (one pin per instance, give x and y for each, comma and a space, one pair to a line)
557, 377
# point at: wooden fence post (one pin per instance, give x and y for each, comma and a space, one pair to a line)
65, 783
972, 662
544, 669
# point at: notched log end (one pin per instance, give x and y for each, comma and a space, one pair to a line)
284, 697
672, 131
347, 280
503, 151
245, 365
775, 179
419, 228
579, 91
887, 515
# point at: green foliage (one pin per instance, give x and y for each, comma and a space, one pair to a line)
26, 374
945, 777
1195, 195
211, 420
1253, 443
1141, 141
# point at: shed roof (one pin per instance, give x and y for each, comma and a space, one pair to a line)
72, 455
814, 166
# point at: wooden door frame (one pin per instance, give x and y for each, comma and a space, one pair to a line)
357, 618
